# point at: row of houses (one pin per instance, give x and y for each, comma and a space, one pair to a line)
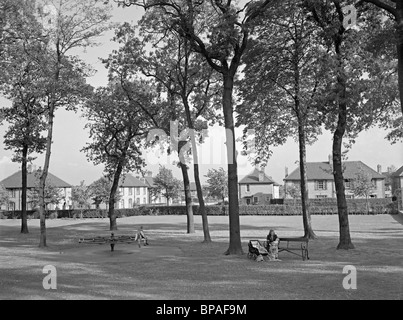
256, 188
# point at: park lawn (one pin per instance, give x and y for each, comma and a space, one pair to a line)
178, 266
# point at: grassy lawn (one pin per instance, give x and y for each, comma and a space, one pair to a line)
179, 266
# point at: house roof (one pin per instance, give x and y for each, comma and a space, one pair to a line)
15, 181
253, 178
130, 181
323, 171
398, 172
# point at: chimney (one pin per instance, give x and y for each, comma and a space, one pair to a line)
286, 172
261, 175
379, 169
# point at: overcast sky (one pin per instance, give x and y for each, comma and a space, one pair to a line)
69, 164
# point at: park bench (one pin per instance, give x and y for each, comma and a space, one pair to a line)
288, 245
113, 240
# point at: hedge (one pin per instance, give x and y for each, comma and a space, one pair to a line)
355, 207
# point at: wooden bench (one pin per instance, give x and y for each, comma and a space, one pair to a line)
286, 244
112, 240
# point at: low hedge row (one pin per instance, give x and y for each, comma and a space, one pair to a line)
269, 210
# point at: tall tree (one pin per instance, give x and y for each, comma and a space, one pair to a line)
100, 191
358, 93
217, 183
21, 81
4, 196
81, 195
282, 78
117, 131
362, 185
68, 25
186, 80
166, 184
220, 32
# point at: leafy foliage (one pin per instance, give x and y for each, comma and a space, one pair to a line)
217, 183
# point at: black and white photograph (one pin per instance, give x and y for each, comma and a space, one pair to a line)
201, 156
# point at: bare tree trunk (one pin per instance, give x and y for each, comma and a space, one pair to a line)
188, 198
399, 47
306, 216
115, 184
24, 222
344, 228
235, 246
42, 182
202, 209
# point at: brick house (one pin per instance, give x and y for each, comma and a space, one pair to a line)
397, 186
258, 188
13, 184
321, 180
133, 191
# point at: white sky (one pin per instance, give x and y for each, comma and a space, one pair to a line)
69, 164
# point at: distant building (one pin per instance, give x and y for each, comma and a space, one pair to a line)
397, 186
13, 184
321, 180
133, 192
153, 199
258, 188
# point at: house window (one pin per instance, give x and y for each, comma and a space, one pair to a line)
130, 191
320, 185
138, 201
137, 191
321, 196
122, 191
248, 201
12, 193
255, 199
122, 203
374, 183
11, 206
247, 188
144, 200
144, 190
347, 184
130, 203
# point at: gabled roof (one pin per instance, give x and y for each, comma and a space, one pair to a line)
253, 178
398, 172
149, 181
15, 181
323, 171
129, 181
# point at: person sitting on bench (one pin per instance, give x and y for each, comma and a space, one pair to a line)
141, 237
272, 245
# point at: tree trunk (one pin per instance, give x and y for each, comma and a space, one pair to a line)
24, 221
235, 246
306, 216
202, 207
43, 177
115, 184
399, 47
188, 198
344, 228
